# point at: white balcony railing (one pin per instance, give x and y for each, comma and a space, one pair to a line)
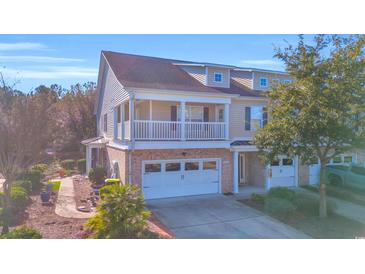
172, 130
127, 134
205, 130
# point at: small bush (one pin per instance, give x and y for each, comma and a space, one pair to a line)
97, 175
32, 175
26, 184
41, 167
81, 165
22, 233
282, 193
278, 207
258, 198
309, 204
120, 215
112, 181
68, 164
19, 199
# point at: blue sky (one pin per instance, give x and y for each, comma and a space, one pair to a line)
32, 60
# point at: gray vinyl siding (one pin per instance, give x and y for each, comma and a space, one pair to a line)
270, 77
196, 72
225, 77
237, 117
112, 94
243, 77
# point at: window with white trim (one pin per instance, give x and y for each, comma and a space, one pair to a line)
255, 117
218, 77
192, 113
287, 81
264, 83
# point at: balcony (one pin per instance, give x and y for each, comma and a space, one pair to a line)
178, 121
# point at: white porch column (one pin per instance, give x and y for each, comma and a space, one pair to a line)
88, 159
226, 120
131, 118
122, 120
235, 172
150, 123
182, 118
115, 123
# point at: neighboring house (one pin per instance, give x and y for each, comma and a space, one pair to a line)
178, 128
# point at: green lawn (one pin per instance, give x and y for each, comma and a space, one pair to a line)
55, 185
305, 218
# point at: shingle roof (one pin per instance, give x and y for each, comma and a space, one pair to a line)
151, 72
242, 143
135, 71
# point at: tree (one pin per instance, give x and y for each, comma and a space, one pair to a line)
120, 215
22, 141
320, 114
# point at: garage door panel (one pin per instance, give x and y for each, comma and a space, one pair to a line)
193, 177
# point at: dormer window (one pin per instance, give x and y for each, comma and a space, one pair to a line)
287, 81
217, 77
264, 82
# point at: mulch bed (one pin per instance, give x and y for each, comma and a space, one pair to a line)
44, 219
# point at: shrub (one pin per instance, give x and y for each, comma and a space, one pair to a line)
81, 165
97, 175
19, 199
32, 175
259, 198
309, 204
112, 181
282, 193
41, 167
26, 184
278, 207
68, 164
22, 233
120, 215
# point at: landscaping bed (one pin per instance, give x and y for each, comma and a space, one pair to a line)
44, 219
301, 212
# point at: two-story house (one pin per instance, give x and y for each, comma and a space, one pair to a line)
178, 128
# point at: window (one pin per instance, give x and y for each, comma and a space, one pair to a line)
210, 165
287, 162
217, 77
256, 117
173, 167
275, 81
152, 168
263, 82
192, 114
275, 162
105, 122
221, 115
337, 160
286, 81
192, 166
347, 159
119, 117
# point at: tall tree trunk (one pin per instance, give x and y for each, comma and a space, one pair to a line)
322, 191
6, 215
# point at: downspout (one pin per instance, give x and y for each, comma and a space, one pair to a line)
131, 118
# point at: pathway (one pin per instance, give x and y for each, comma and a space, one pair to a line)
344, 208
66, 204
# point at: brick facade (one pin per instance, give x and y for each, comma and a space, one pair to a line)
122, 157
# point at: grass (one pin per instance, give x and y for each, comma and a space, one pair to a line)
55, 185
305, 218
356, 196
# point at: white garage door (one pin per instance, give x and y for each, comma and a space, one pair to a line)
173, 178
282, 173
314, 172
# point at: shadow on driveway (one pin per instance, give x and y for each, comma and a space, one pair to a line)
218, 217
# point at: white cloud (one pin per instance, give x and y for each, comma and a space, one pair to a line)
51, 72
21, 46
37, 59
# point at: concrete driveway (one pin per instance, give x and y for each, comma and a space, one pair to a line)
218, 217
